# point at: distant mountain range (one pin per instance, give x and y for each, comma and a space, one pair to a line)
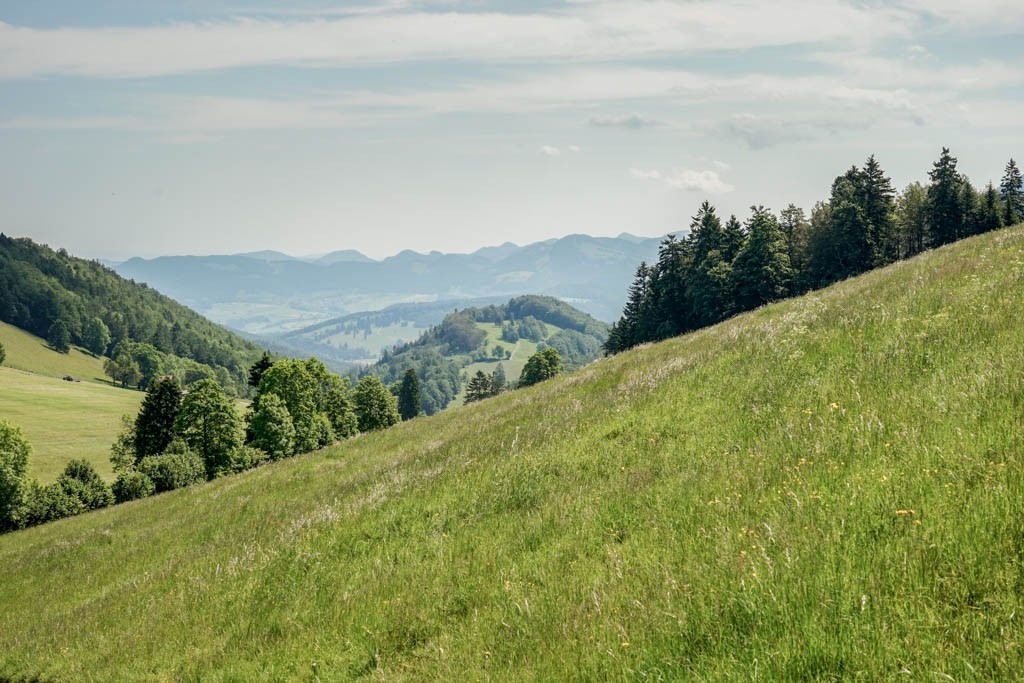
271, 293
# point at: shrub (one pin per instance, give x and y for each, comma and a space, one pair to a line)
246, 458
173, 470
14, 452
81, 481
132, 486
49, 503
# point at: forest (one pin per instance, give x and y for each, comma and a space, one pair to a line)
721, 269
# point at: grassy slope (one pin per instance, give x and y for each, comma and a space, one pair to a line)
62, 420
735, 503
65, 420
31, 354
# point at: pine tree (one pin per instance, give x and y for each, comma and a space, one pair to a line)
990, 210
1012, 191
761, 271
498, 380
479, 387
733, 237
258, 368
154, 425
878, 200
707, 282
945, 201
625, 332
409, 395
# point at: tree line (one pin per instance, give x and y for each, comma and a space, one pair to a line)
723, 268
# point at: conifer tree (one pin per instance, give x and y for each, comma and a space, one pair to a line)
990, 210
625, 332
945, 200
409, 395
498, 380
878, 200
154, 425
1012, 191
707, 282
258, 368
761, 271
479, 387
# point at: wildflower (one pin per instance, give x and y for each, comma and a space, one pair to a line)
625, 643
904, 512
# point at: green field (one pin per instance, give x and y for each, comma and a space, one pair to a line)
31, 354
64, 420
382, 337
830, 488
521, 352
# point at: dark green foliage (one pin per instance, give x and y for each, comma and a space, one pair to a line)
173, 470
498, 380
1011, 189
47, 504
39, 286
946, 211
541, 366
123, 368
14, 454
208, 422
3, 354
132, 485
258, 368
272, 428
376, 407
409, 395
81, 480
58, 337
96, 336
761, 272
722, 270
439, 376
154, 425
479, 387
458, 334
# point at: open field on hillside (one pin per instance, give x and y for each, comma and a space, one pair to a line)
828, 488
31, 354
65, 420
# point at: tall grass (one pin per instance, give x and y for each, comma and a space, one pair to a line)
828, 488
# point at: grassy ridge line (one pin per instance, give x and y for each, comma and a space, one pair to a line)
27, 352
827, 487
64, 420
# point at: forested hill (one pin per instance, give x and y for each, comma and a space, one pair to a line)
480, 338
40, 287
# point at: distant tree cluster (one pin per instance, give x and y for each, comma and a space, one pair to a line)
71, 301
482, 385
721, 269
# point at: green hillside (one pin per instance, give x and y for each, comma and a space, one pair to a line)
31, 354
827, 488
65, 420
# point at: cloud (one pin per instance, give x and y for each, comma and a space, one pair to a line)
594, 31
550, 151
707, 182
574, 149
630, 121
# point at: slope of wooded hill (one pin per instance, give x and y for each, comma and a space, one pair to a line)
827, 488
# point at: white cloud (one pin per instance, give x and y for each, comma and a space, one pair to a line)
589, 31
574, 149
550, 151
708, 182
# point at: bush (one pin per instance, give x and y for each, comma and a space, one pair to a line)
49, 503
14, 454
81, 481
246, 458
3, 354
132, 486
173, 470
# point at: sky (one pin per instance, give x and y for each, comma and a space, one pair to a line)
134, 128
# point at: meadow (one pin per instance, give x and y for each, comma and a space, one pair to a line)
827, 488
31, 354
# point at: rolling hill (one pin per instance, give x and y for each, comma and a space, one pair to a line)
62, 420
827, 488
276, 294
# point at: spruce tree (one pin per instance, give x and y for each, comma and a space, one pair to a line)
761, 271
479, 387
945, 200
258, 368
879, 206
1012, 191
707, 282
625, 332
154, 425
990, 210
409, 395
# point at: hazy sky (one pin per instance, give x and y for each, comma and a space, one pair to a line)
201, 126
